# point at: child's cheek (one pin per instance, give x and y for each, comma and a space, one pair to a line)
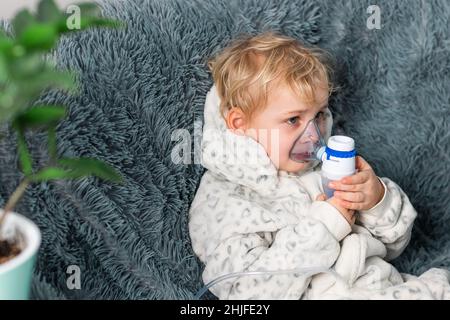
285, 145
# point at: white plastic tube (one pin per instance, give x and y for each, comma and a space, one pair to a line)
308, 272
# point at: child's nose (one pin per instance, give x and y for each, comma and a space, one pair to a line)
312, 134
314, 137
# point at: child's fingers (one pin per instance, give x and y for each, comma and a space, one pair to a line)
362, 164
321, 197
351, 205
350, 196
357, 178
336, 185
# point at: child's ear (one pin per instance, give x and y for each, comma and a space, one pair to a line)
236, 119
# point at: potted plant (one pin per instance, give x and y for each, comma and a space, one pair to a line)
25, 72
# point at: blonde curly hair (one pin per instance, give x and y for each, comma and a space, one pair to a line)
244, 71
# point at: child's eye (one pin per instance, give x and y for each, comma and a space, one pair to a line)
293, 121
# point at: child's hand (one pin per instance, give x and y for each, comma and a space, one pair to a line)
361, 191
349, 215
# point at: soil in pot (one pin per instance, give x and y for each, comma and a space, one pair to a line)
8, 250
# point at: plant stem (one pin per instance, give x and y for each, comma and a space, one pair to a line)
15, 197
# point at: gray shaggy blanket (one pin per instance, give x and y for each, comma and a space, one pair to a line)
140, 83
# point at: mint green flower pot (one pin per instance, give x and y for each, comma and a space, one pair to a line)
15, 274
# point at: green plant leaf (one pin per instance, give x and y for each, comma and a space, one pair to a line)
51, 141
48, 11
21, 21
9, 105
87, 22
6, 46
90, 166
31, 63
24, 154
102, 22
89, 9
3, 68
39, 36
33, 85
50, 173
65, 80
40, 116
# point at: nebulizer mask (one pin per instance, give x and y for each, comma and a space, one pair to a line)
310, 144
338, 161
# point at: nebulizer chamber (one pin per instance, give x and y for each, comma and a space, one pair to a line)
338, 161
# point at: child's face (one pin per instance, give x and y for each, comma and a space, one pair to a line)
288, 114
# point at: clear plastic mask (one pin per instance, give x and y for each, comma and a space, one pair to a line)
311, 142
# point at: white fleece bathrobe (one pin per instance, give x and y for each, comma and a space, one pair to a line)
248, 216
